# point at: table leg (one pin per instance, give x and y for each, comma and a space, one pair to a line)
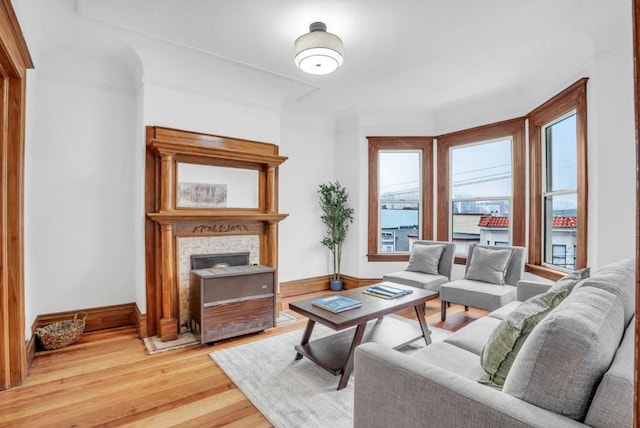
305, 337
357, 339
423, 324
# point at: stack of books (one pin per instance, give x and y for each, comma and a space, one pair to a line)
336, 304
387, 290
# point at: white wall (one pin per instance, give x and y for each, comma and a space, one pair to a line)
611, 157
308, 142
78, 174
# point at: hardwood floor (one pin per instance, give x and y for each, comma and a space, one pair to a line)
107, 379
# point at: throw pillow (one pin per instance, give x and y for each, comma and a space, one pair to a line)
489, 265
505, 341
425, 258
566, 355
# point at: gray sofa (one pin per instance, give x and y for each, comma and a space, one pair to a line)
575, 368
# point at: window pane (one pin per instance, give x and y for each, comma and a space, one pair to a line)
482, 170
560, 224
400, 195
561, 155
399, 226
474, 221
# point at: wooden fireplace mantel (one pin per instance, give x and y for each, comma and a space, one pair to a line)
166, 221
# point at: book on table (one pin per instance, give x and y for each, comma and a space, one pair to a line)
387, 291
336, 304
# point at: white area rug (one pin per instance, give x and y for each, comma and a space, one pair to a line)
293, 393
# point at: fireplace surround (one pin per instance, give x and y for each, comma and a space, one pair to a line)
167, 223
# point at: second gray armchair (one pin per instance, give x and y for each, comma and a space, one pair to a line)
491, 275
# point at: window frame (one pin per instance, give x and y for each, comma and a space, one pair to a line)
574, 98
377, 144
513, 129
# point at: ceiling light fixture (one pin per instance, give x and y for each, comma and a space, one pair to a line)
318, 52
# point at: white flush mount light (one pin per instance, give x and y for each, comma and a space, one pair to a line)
318, 52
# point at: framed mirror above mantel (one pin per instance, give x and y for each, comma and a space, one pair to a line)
198, 186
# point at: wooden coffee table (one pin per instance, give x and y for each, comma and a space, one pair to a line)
335, 352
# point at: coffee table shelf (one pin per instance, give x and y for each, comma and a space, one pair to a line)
366, 323
332, 352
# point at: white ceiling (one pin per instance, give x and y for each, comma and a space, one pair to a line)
399, 54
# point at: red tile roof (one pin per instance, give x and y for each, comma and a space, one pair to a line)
492, 221
559, 222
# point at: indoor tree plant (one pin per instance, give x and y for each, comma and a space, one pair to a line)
336, 216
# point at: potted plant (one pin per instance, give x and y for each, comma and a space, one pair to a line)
336, 216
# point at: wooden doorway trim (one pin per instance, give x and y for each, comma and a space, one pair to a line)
14, 62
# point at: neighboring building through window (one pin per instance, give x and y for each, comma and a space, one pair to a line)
495, 231
480, 186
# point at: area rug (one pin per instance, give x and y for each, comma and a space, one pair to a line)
293, 393
154, 345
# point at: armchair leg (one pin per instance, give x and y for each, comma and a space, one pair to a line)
466, 308
443, 311
448, 304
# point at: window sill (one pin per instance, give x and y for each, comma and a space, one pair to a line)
545, 272
396, 257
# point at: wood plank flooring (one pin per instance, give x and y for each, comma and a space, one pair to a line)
108, 380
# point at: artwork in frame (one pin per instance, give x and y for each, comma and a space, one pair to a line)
202, 195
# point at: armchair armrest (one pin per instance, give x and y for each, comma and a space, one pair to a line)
393, 389
527, 289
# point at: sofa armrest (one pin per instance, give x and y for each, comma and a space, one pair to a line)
393, 389
527, 289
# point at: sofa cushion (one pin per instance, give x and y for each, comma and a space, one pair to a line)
472, 337
565, 356
425, 258
417, 279
451, 358
477, 294
505, 341
489, 265
619, 279
502, 312
612, 405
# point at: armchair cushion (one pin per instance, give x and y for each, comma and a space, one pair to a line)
477, 294
425, 258
417, 279
489, 264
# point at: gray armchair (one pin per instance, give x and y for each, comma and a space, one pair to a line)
491, 275
430, 266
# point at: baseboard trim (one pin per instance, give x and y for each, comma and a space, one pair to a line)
31, 350
349, 282
321, 283
100, 318
303, 286
140, 321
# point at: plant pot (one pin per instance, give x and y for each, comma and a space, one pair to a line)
335, 284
